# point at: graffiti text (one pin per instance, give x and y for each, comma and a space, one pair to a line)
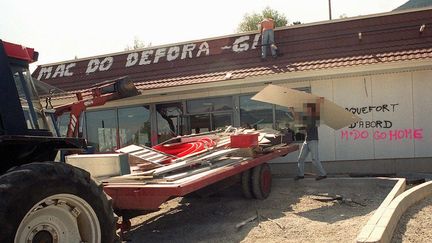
391, 135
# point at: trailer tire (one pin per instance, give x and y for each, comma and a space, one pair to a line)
43, 201
261, 181
246, 184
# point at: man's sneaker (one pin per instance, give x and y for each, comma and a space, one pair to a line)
320, 177
298, 178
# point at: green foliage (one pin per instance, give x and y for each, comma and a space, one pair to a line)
251, 22
138, 44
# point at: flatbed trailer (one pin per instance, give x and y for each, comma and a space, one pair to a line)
135, 196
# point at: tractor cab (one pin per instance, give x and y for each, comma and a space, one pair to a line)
25, 133
21, 110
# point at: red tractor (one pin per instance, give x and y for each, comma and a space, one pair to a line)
46, 201
42, 200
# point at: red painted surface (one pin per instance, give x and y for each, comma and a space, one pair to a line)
183, 149
244, 140
151, 196
19, 51
266, 181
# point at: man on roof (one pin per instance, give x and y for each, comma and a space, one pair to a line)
267, 26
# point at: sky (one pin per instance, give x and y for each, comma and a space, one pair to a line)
62, 30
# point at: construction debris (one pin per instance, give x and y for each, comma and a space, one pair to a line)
244, 222
337, 198
184, 156
274, 221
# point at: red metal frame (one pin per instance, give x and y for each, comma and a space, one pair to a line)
134, 196
20, 52
76, 108
98, 96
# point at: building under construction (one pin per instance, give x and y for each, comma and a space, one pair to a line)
378, 67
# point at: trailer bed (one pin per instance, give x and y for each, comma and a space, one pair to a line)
138, 192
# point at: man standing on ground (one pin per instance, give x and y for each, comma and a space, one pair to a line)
311, 142
267, 37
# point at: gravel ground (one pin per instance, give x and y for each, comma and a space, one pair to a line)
292, 213
415, 224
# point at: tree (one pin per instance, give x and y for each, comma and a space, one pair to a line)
250, 21
343, 16
138, 44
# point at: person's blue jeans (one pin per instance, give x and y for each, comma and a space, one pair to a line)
267, 39
312, 147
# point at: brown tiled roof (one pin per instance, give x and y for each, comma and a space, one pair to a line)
276, 66
384, 39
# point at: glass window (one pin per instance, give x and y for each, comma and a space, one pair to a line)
62, 123
102, 130
209, 105
50, 117
221, 121
170, 121
284, 122
200, 123
30, 102
134, 126
283, 117
255, 113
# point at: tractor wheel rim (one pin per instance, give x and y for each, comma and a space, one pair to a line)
60, 218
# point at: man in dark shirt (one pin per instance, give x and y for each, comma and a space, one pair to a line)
311, 142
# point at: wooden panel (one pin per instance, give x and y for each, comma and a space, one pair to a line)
331, 114
324, 88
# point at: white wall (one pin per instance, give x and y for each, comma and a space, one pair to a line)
422, 100
395, 90
396, 112
352, 142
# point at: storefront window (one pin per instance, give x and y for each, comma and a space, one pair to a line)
170, 121
200, 123
102, 130
220, 121
284, 122
134, 126
283, 117
255, 114
209, 105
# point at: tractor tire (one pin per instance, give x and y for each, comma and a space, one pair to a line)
54, 202
261, 181
246, 184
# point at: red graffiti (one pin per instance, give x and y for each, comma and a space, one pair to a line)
354, 134
391, 135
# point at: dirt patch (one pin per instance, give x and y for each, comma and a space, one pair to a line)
292, 213
416, 223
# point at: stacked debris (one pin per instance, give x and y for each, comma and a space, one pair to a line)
184, 156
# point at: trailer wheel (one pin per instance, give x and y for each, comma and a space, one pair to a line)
246, 184
261, 181
54, 202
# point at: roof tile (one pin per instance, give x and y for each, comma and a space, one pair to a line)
304, 48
